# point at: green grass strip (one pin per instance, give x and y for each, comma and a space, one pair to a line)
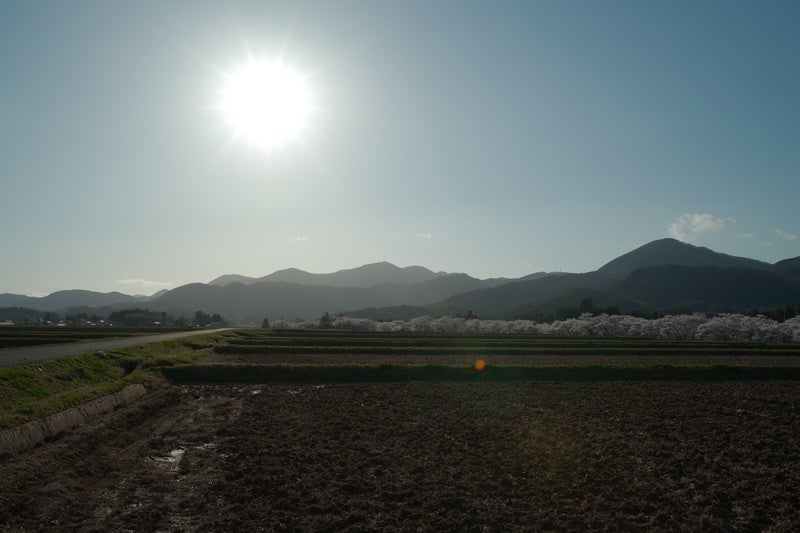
510, 350
34, 391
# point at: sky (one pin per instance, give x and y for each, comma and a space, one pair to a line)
492, 138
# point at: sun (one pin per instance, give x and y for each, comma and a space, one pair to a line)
266, 103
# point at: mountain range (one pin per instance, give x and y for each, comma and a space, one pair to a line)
664, 275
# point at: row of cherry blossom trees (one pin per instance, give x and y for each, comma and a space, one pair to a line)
672, 327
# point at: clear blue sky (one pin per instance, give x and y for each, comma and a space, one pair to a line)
493, 138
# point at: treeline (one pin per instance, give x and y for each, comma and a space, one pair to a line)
564, 313
780, 314
137, 318
132, 318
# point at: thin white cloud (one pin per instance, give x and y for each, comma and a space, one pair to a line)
144, 283
690, 224
778, 236
424, 235
301, 238
784, 235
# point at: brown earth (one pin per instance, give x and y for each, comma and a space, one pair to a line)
422, 456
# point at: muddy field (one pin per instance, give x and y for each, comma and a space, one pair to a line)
422, 456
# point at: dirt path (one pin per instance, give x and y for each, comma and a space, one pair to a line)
422, 457
36, 354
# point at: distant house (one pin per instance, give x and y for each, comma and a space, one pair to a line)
7, 323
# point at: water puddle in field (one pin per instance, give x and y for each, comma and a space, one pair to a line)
174, 456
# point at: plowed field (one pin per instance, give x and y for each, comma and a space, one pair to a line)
422, 456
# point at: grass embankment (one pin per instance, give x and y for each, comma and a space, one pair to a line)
21, 336
31, 392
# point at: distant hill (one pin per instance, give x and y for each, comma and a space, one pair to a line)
233, 278
256, 300
664, 274
788, 269
363, 276
275, 299
14, 300
707, 288
20, 314
397, 312
430, 291
674, 252
502, 301
70, 299
572, 298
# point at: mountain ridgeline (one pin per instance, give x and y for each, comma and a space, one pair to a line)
662, 276
364, 276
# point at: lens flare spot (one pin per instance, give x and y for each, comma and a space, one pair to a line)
480, 365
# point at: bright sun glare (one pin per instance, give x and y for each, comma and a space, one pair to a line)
266, 103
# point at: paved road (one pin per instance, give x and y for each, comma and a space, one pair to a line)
38, 354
